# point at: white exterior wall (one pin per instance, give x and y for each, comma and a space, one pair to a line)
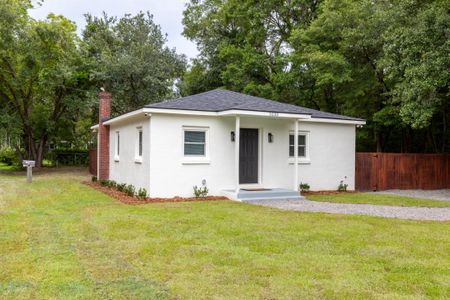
126, 169
332, 156
331, 153
172, 175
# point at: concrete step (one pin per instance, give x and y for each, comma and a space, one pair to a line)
269, 194
271, 199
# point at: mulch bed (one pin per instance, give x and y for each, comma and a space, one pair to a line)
310, 193
124, 198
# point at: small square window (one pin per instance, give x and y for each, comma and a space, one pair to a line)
194, 142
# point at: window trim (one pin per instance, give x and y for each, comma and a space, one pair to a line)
301, 159
188, 159
117, 147
139, 147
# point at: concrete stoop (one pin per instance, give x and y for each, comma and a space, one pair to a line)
261, 195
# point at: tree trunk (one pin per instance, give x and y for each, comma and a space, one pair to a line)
35, 149
41, 151
378, 140
18, 153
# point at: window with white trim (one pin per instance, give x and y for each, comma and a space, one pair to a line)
139, 143
302, 144
195, 142
117, 145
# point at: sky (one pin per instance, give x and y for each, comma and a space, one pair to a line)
166, 13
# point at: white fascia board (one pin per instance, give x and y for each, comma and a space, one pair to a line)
335, 121
125, 116
179, 111
233, 112
95, 127
237, 112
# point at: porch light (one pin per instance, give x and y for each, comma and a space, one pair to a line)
270, 137
233, 136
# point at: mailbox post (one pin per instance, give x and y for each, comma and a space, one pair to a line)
29, 164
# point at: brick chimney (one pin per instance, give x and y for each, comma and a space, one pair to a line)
104, 112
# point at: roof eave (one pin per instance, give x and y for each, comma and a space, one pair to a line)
232, 112
337, 121
178, 111
126, 116
241, 112
256, 113
94, 127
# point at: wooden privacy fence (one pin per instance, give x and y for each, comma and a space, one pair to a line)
383, 171
93, 161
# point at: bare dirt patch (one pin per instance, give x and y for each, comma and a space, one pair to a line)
49, 171
124, 198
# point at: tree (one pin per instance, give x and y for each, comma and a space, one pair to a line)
130, 59
417, 61
244, 44
385, 61
41, 76
336, 58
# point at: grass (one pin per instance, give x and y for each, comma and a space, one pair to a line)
8, 168
60, 239
380, 199
5, 167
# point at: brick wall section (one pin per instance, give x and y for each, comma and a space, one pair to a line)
103, 135
93, 161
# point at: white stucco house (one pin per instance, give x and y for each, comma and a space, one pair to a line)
237, 145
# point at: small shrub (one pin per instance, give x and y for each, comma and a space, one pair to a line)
200, 191
142, 193
8, 156
342, 186
130, 190
112, 184
94, 178
106, 183
304, 187
121, 187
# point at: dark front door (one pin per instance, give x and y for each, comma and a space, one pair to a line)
248, 156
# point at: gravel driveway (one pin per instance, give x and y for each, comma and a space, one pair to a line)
441, 195
399, 212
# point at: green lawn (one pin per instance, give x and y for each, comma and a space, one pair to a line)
60, 239
380, 199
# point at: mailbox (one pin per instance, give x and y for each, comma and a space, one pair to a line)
28, 163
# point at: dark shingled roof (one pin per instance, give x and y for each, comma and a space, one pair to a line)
223, 100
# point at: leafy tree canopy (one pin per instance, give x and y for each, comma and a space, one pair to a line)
49, 77
386, 61
129, 59
41, 76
